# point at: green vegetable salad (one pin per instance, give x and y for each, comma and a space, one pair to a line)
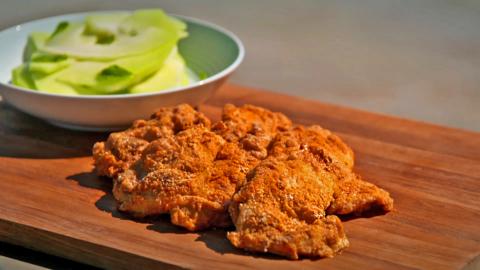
111, 53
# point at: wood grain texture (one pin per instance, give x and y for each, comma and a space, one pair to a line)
51, 201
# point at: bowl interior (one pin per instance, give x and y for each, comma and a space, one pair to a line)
208, 51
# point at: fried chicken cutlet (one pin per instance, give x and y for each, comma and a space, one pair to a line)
281, 185
194, 173
282, 208
351, 195
174, 175
123, 148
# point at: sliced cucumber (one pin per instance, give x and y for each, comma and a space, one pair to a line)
104, 25
50, 84
21, 77
172, 74
136, 34
101, 76
107, 53
35, 41
43, 64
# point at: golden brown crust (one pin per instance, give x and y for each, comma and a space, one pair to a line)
123, 148
281, 209
194, 173
355, 196
324, 238
173, 176
315, 139
352, 195
238, 122
281, 185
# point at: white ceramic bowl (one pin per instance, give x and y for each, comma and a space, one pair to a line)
209, 49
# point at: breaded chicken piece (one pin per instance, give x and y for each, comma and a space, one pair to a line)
174, 175
193, 175
281, 209
123, 148
355, 196
248, 131
352, 195
238, 122
316, 140
280, 185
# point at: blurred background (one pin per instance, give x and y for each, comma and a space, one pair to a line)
410, 58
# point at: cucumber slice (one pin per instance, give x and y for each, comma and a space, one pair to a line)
43, 64
35, 41
50, 84
172, 74
104, 25
138, 33
121, 52
114, 76
143, 18
21, 77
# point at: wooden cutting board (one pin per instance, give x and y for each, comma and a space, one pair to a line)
51, 201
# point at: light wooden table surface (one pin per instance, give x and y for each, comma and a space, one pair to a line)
415, 59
